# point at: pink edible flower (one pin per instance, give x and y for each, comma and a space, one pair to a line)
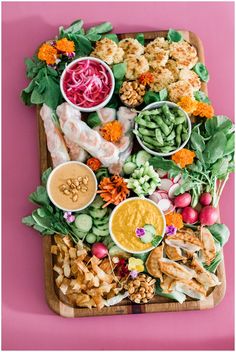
133, 274
171, 230
68, 216
140, 231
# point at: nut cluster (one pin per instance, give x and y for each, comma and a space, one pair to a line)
141, 289
73, 186
131, 93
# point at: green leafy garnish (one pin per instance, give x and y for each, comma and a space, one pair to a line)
163, 94
111, 36
151, 97
119, 71
93, 120
201, 96
220, 232
175, 295
140, 38
215, 263
174, 36
201, 71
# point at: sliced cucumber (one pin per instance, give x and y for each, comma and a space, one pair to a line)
147, 238
91, 238
98, 213
102, 221
116, 251
142, 157
84, 222
103, 227
110, 245
128, 159
150, 228
129, 168
97, 203
101, 233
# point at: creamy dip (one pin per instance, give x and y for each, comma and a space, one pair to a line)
72, 186
130, 215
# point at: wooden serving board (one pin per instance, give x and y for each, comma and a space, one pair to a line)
57, 301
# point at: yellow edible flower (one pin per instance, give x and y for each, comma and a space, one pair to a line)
135, 264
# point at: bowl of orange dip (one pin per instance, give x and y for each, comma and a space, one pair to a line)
72, 186
131, 214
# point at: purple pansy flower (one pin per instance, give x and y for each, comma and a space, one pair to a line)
140, 231
69, 217
133, 274
171, 230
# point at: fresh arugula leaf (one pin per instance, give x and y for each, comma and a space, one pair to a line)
40, 196
230, 145
111, 36
220, 232
201, 96
197, 141
119, 71
45, 176
163, 94
214, 149
218, 123
28, 220
140, 38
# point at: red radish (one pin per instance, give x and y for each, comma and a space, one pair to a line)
190, 215
156, 197
99, 250
177, 178
208, 215
164, 204
170, 210
165, 184
183, 200
161, 173
206, 198
163, 194
172, 190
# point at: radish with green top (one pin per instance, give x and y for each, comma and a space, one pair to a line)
190, 215
208, 215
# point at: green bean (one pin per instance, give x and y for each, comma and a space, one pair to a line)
165, 110
159, 137
171, 135
179, 120
151, 112
169, 143
151, 141
146, 132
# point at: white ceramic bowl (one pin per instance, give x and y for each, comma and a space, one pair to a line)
108, 98
111, 218
50, 180
171, 105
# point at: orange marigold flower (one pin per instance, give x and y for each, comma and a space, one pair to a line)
94, 164
183, 157
203, 110
146, 78
187, 104
112, 131
65, 45
174, 219
113, 190
47, 53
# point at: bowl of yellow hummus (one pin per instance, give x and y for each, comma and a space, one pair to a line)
131, 214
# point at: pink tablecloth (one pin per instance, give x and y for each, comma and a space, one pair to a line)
28, 323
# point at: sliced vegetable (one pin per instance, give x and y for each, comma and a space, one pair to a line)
142, 157
164, 204
129, 168
91, 238
172, 190
84, 222
183, 200
165, 184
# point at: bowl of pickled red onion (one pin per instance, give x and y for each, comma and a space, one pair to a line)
87, 84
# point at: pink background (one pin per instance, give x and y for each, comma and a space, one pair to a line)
27, 321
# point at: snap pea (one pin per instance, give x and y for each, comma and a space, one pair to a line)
151, 112
179, 120
148, 145
171, 136
167, 149
184, 136
151, 141
165, 110
159, 137
165, 129
144, 123
146, 132
178, 135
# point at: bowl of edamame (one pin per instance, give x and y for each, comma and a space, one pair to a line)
162, 128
